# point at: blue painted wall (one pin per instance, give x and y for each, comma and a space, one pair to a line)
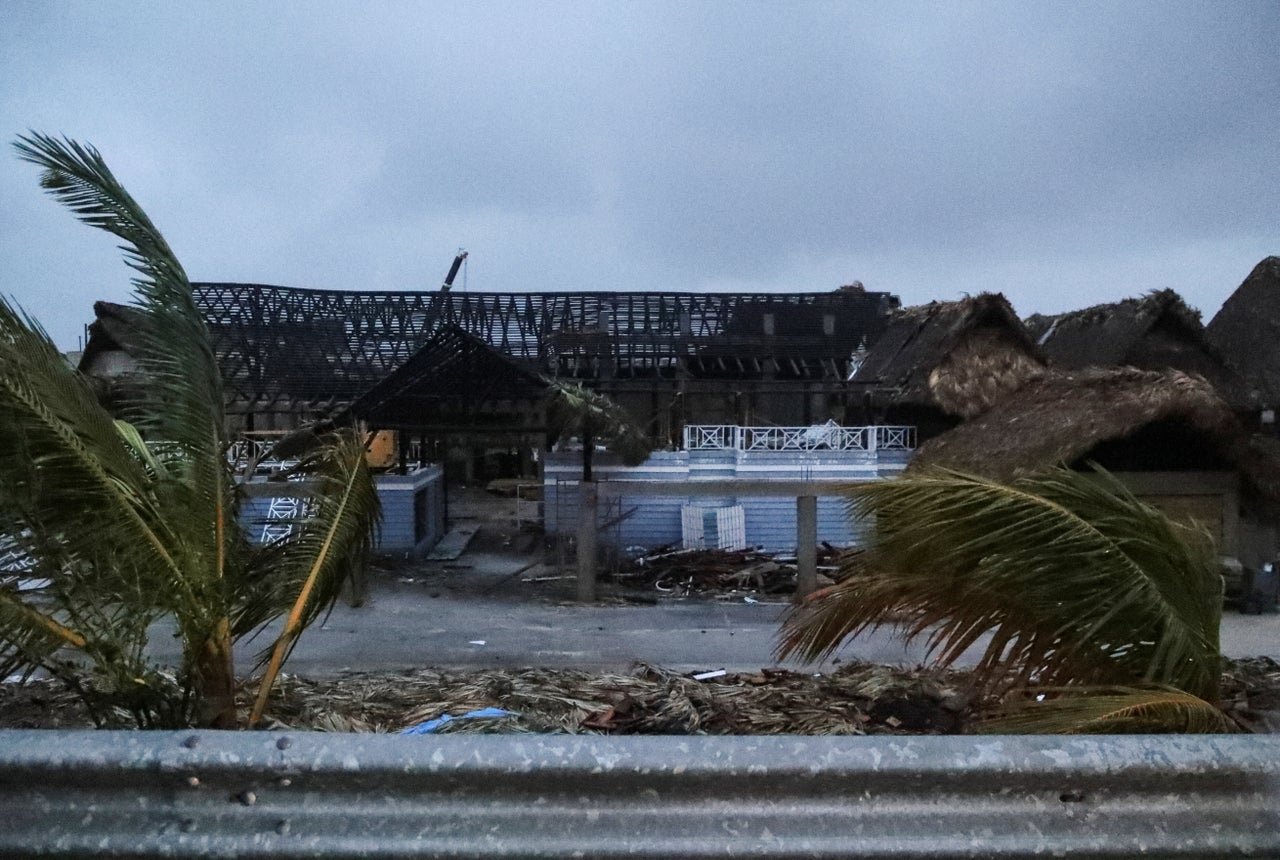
653, 521
413, 511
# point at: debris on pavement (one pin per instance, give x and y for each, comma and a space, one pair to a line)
431, 725
855, 698
729, 573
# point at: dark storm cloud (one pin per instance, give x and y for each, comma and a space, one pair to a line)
1066, 154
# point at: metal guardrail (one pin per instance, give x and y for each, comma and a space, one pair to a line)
829, 436
207, 794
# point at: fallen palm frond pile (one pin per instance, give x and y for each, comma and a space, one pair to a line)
858, 698
1251, 693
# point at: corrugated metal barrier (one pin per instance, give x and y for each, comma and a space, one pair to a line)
212, 794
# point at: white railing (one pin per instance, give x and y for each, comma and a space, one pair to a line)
284, 515
241, 451
829, 436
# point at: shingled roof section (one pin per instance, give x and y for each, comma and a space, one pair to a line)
1246, 331
961, 357
1157, 331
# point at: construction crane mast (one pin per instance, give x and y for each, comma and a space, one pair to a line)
453, 271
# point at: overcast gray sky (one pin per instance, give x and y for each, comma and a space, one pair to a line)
1065, 154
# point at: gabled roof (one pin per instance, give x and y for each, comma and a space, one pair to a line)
453, 372
959, 356
1063, 416
1246, 331
1153, 332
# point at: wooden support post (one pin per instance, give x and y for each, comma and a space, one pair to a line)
806, 546
586, 541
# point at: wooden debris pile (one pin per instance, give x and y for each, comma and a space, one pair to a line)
1251, 693
857, 699
686, 572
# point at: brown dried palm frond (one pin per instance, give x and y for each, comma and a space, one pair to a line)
1106, 710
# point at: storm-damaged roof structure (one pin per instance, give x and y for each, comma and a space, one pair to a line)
455, 382
325, 348
956, 358
1153, 332
1123, 418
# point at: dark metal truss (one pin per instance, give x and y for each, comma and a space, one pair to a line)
324, 348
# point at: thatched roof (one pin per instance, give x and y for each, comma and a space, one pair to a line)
1063, 418
1104, 335
1154, 332
114, 329
1247, 330
960, 357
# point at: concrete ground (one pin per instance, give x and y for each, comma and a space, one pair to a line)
475, 611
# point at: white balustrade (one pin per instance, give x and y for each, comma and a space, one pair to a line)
829, 436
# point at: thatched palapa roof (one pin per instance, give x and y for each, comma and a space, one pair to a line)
961, 357
1154, 332
1247, 330
1064, 417
114, 329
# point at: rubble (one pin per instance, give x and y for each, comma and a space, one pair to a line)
726, 573
856, 699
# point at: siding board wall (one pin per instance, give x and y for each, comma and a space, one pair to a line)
407, 528
654, 521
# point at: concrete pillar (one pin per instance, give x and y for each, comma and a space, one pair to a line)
586, 541
806, 546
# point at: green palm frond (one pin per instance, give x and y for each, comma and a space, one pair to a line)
1107, 710
181, 402
30, 637
311, 569
574, 409
1075, 579
68, 474
175, 353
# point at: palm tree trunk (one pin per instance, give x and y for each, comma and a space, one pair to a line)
588, 448
215, 680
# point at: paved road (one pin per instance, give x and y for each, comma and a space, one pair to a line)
404, 627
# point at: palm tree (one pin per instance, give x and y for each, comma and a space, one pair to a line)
1077, 582
575, 410
135, 520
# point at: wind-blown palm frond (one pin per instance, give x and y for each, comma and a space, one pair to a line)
175, 352
574, 409
180, 405
67, 469
312, 568
1075, 580
1107, 710
28, 637
134, 520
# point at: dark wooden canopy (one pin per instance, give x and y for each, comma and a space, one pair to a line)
454, 382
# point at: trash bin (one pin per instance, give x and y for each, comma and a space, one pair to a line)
1259, 589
